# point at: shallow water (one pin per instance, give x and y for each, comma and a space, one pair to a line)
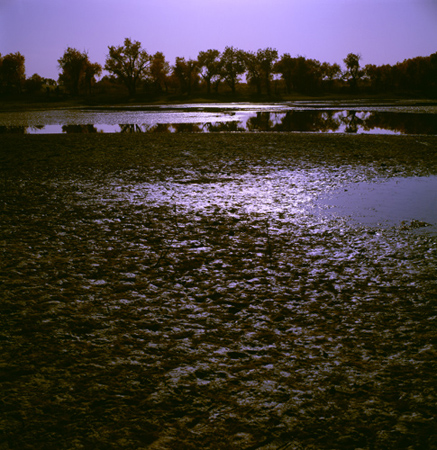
387, 202
205, 118
287, 196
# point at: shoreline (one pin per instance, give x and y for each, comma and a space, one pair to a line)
90, 103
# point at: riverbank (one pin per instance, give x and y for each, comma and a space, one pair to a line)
168, 291
53, 103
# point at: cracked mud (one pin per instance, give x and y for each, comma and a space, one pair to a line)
181, 292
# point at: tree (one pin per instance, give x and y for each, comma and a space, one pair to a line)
266, 60
159, 70
12, 71
313, 76
34, 83
303, 75
186, 74
260, 66
129, 63
285, 66
210, 67
232, 62
330, 72
77, 71
91, 70
72, 65
50, 82
417, 74
353, 71
380, 77
432, 75
254, 75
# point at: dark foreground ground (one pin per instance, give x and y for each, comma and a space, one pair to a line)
179, 292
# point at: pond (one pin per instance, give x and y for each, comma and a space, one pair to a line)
314, 117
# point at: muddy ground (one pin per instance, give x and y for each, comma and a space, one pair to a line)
181, 292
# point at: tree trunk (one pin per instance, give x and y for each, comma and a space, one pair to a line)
268, 85
131, 87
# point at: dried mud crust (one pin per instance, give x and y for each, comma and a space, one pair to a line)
178, 292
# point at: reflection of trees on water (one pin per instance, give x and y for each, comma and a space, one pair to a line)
182, 128
224, 126
346, 121
86, 129
405, 123
187, 127
327, 122
132, 128
36, 127
145, 128
6, 129
315, 121
162, 128
309, 121
19, 129
305, 121
321, 121
260, 122
352, 121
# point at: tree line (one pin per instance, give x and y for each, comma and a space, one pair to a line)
132, 68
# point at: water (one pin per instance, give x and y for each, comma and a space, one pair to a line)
234, 117
411, 202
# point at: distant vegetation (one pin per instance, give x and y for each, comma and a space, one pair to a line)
134, 73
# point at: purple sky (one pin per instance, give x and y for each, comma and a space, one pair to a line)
382, 31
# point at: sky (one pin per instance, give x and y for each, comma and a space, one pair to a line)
381, 31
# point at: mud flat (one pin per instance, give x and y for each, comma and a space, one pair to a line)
184, 292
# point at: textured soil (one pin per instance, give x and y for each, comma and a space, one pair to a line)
180, 292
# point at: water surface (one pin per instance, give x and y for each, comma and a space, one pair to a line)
410, 201
232, 117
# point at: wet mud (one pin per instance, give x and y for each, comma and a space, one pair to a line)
182, 292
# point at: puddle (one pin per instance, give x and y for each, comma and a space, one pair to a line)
398, 201
284, 197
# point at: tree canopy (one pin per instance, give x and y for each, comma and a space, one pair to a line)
353, 71
209, 66
77, 70
185, 72
159, 71
232, 64
128, 62
12, 71
266, 60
